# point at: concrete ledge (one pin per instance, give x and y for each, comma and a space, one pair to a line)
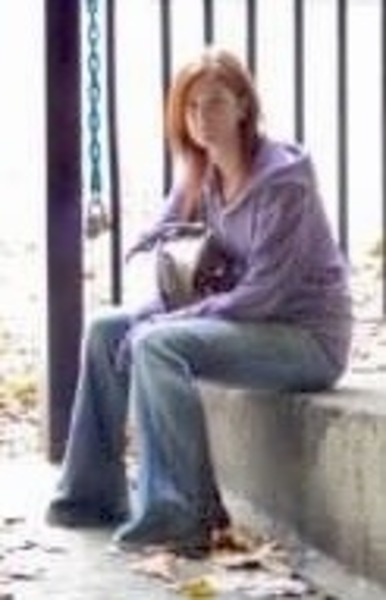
313, 464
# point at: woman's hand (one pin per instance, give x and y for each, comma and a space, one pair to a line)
172, 315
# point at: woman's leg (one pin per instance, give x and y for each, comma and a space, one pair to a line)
93, 478
177, 492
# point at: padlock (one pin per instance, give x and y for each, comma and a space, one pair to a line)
97, 220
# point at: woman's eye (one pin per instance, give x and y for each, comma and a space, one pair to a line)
215, 101
209, 103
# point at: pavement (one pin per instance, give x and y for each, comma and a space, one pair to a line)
42, 562
39, 562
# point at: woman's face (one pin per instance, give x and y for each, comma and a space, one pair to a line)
213, 113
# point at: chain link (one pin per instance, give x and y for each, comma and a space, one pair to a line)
97, 218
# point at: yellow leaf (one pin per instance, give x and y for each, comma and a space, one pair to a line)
200, 587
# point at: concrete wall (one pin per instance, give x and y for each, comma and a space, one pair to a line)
314, 464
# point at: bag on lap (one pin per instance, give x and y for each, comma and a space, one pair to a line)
189, 264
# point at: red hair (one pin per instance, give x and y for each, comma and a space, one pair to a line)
225, 67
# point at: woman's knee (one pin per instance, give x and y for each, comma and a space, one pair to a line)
105, 332
151, 336
162, 337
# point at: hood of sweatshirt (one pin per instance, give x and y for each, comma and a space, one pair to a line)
279, 162
274, 163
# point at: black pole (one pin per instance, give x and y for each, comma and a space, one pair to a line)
208, 22
251, 35
383, 150
342, 107
64, 281
166, 66
299, 68
112, 128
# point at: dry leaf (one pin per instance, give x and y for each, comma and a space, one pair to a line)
276, 586
199, 587
268, 556
255, 584
11, 520
232, 539
25, 572
160, 565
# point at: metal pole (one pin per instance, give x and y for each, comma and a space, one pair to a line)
166, 54
342, 124
112, 129
383, 150
251, 34
64, 254
299, 68
208, 22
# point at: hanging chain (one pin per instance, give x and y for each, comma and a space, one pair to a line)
97, 217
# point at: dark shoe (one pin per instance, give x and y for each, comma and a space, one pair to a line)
220, 519
191, 541
64, 513
195, 544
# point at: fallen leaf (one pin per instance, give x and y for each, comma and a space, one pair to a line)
25, 573
270, 556
13, 520
54, 549
232, 539
199, 587
160, 565
277, 587
255, 584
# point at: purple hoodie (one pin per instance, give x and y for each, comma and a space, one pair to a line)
292, 270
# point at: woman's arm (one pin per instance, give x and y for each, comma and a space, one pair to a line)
170, 212
273, 266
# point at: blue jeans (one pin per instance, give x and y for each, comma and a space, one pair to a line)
176, 491
93, 469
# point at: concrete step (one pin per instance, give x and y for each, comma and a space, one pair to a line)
310, 466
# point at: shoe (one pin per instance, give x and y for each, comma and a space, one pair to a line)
64, 513
190, 541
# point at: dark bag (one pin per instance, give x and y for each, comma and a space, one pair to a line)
190, 264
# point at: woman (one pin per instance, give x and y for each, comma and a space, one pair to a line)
286, 323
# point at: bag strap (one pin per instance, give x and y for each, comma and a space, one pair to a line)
167, 231
180, 229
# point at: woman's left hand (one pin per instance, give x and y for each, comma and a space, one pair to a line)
173, 315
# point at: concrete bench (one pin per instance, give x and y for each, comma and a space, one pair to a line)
309, 465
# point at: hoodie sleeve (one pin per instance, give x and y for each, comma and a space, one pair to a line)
169, 213
273, 263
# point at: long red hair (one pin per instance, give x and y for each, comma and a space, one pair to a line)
227, 68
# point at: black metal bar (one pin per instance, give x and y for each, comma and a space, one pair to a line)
299, 68
342, 138
64, 250
115, 195
166, 66
208, 29
251, 34
383, 151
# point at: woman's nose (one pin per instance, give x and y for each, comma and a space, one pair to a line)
204, 109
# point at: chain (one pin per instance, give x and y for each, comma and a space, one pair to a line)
97, 218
